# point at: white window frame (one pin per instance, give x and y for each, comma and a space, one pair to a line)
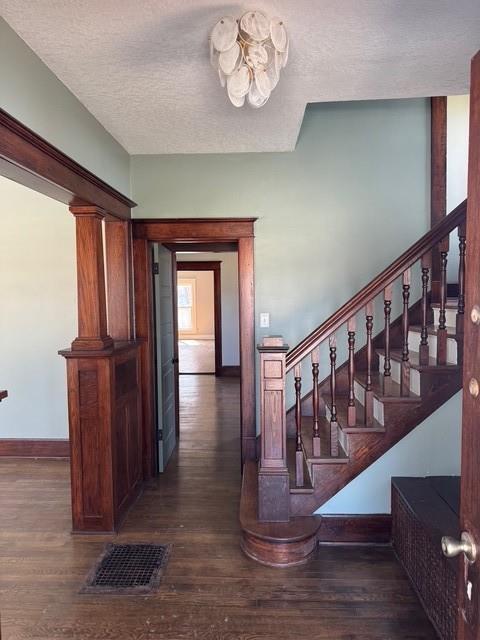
192, 282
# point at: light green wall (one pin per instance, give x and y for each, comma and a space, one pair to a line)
351, 197
30, 92
38, 311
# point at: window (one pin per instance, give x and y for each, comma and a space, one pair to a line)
186, 305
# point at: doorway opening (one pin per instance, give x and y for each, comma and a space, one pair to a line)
196, 336
199, 313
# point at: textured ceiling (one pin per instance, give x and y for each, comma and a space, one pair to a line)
141, 67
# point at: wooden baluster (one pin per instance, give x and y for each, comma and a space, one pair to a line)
298, 423
387, 309
316, 427
333, 392
424, 351
462, 243
368, 385
351, 410
442, 323
405, 367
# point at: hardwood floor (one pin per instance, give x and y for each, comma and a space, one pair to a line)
210, 591
196, 356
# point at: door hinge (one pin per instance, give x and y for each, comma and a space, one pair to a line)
159, 435
155, 269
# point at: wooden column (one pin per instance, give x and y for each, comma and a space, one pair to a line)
246, 294
118, 244
92, 310
438, 180
273, 479
104, 403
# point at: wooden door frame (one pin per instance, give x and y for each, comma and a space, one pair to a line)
215, 267
468, 615
199, 232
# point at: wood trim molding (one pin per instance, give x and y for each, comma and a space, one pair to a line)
215, 267
197, 230
168, 230
356, 529
39, 448
212, 247
438, 181
29, 159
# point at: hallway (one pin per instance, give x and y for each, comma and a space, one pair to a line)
210, 590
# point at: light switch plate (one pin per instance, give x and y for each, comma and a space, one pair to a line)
264, 320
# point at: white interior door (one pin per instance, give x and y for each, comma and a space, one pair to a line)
165, 352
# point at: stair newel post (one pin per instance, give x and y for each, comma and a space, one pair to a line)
351, 409
298, 424
368, 381
442, 322
273, 478
315, 407
405, 367
424, 353
462, 244
332, 341
387, 311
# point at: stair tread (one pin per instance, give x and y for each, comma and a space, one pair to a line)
386, 389
433, 330
307, 438
452, 303
414, 361
360, 427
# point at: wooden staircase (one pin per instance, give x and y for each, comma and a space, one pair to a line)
343, 423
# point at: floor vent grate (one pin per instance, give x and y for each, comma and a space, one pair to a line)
128, 569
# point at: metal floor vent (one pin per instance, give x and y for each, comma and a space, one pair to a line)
128, 569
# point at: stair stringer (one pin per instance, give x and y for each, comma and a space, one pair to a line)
329, 479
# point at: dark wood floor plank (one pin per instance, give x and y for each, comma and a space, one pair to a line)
210, 590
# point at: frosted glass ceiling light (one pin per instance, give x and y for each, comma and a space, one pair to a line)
248, 55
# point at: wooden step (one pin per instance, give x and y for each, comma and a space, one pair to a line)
276, 544
307, 438
291, 462
386, 390
432, 330
360, 427
414, 361
450, 312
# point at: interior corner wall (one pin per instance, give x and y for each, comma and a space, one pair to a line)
30, 92
229, 290
37, 311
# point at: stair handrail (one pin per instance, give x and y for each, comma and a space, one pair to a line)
425, 244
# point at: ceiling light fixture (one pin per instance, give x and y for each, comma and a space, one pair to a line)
248, 55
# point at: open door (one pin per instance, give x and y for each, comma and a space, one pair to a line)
166, 358
468, 548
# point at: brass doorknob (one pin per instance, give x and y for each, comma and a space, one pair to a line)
452, 547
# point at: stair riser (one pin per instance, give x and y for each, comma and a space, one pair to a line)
396, 372
378, 412
414, 342
450, 314
378, 408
